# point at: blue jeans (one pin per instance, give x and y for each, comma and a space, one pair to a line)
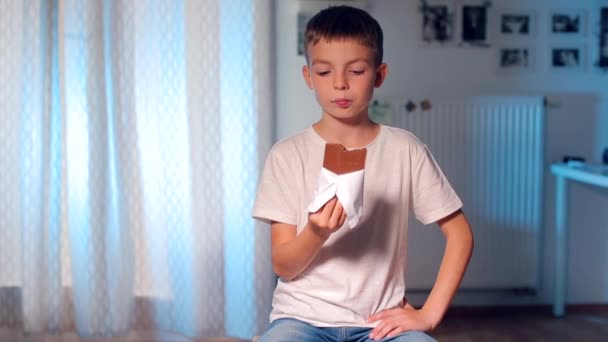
292, 330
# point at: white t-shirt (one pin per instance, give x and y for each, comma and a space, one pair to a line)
358, 271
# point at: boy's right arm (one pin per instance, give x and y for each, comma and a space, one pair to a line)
292, 253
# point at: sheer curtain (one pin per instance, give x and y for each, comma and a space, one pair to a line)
133, 134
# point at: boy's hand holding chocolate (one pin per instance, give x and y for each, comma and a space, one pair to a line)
328, 219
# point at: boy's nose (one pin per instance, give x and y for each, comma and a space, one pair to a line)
340, 83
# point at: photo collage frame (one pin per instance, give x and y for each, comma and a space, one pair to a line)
514, 33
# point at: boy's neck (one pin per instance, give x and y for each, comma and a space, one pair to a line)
349, 135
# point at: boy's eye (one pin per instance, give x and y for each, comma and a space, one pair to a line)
357, 72
322, 73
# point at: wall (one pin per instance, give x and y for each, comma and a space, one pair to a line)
577, 117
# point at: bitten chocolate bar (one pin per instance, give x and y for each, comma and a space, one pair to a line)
339, 160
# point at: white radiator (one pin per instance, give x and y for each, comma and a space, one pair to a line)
491, 150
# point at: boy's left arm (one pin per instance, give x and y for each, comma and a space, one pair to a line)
458, 249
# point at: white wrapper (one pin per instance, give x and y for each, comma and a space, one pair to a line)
348, 188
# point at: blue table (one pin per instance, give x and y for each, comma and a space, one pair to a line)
596, 175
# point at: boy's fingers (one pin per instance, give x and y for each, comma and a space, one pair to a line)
383, 314
328, 208
336, 215
323, 208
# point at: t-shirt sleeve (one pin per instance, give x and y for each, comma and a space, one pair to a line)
274, 201
433, 198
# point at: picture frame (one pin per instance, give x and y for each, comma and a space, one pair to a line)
473, 25
515, 59
514, 24
567, 58
302, 20
603, 39
437, 22
568, 23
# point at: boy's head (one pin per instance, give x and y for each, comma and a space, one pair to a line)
338, 23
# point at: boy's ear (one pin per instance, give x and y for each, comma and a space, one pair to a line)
380, 75
306, 74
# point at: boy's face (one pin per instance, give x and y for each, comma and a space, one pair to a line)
343, 75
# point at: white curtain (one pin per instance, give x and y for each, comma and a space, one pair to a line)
132, 137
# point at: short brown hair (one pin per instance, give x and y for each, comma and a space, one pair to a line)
343, 23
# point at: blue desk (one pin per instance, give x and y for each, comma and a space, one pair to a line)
596, 175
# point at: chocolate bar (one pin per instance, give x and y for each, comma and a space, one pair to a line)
339, 160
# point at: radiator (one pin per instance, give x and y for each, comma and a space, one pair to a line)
491, 150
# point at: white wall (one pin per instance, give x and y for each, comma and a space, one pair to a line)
577, 122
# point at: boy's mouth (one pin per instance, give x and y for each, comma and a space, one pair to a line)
342, 103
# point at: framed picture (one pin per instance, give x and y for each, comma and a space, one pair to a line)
303, 18
568, 23
437, 22
567, 58
514, 23
603, 39
515, 59
474, 24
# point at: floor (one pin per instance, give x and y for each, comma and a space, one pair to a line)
587, 323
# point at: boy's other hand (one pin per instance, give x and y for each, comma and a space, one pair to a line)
328, 219
399, 320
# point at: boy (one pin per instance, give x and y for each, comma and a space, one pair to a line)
337, 283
